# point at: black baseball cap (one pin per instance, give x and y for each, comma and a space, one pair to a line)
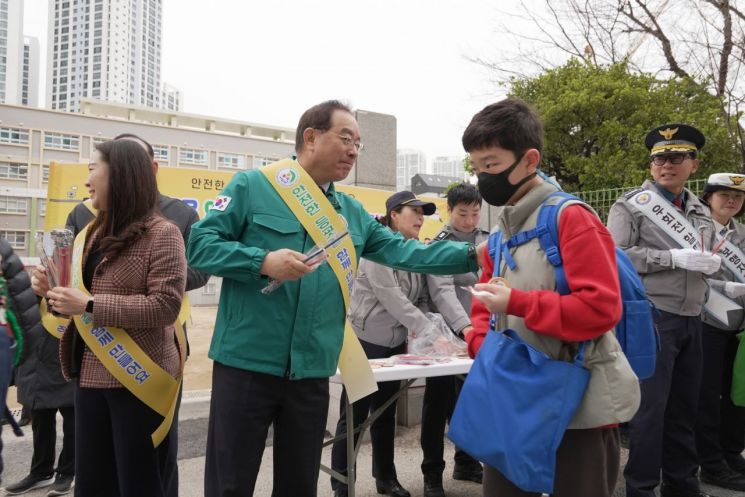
407, 198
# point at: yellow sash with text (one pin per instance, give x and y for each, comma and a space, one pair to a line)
125, 360
319, 218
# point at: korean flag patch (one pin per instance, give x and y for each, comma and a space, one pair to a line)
221, 203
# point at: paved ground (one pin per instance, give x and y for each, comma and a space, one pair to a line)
193, 437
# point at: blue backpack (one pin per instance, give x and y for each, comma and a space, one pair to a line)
635, 332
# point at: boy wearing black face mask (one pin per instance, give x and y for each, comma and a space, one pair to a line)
505, 141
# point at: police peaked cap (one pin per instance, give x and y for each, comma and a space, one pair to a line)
725, 181
672, 138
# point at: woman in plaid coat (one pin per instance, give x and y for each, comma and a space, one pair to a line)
134, 267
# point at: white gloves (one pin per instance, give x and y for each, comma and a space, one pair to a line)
695, 260
734, 290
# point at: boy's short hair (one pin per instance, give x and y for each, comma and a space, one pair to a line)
510, 124
463, 193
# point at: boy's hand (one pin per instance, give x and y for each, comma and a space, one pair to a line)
496, 297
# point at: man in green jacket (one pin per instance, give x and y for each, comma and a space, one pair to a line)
274, 352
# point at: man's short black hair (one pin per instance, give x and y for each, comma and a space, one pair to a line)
463, 193
148, 147
510, 124
317, 117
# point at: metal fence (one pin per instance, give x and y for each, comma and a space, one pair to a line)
602, 200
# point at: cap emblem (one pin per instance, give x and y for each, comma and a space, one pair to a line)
668, 133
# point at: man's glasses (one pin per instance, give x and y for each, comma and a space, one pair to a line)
675, 159
349, 141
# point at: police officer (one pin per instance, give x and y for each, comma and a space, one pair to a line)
441, 392
720, 425
661, 435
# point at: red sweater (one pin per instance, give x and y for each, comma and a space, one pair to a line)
594, 305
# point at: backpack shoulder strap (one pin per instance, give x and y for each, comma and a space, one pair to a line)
548, 216
494, 245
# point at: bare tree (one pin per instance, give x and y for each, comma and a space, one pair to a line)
699, 39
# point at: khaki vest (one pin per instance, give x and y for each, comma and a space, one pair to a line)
613, 393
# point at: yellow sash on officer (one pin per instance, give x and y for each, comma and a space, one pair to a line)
125, 360
319, 218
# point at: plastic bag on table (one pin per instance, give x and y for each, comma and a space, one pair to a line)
438, 340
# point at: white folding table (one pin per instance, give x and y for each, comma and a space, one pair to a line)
409, 373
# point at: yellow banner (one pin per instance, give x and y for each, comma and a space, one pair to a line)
198, 188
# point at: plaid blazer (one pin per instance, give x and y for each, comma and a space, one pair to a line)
140, 291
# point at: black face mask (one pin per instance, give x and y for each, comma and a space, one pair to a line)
496, 189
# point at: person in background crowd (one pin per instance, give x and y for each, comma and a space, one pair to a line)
134, 266
23, 304
720, 425
441, 392
43, 389
661, 435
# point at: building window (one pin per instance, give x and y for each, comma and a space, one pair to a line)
193, 156
60, 141
13, 205
161, 152
12, 170
14, 136
16, 239
210, 289
42, 207
260, 161
45, 174
234, 161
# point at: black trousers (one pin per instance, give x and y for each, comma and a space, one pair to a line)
114, 451
44, 426
244, 404
587, 464
661, 434
440, 396
168, 453
6, 368
720, 426
382, 430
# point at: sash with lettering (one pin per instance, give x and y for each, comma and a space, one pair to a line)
319, 218
56, 325
676, 226
125, 360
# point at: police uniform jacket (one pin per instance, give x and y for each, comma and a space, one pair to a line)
674, 290
736, 317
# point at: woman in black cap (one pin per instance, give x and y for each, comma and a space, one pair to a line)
720, 425
384, 308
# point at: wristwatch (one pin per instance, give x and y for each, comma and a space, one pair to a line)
89, 306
